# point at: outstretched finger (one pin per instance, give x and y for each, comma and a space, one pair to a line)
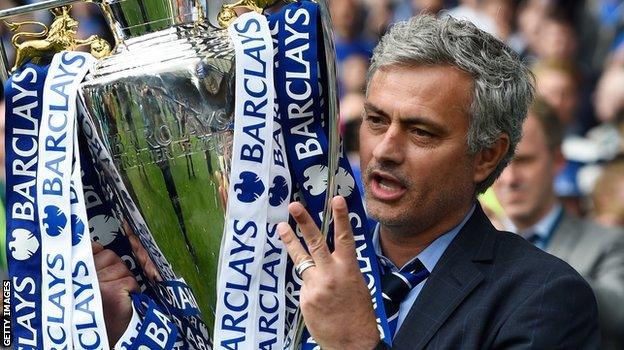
312, 236
296, 251
344, 243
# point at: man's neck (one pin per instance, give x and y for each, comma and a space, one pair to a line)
400, 244
400, 248
523, 224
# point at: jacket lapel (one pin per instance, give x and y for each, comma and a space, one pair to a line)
452, 279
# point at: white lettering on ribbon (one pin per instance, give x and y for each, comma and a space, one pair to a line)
248, 195
272, 304
89, 330
54, 171
22, 244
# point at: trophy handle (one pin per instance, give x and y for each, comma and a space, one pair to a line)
332, 96
60, 11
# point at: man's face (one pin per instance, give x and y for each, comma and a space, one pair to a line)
344, 15
558, 40
525, 188
416, 168
559, 90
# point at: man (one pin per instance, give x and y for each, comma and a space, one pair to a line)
444, 109
443, 113
525, 190
558, 83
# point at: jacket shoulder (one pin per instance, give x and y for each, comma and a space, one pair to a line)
512, 249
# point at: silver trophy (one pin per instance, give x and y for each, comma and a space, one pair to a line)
161, 108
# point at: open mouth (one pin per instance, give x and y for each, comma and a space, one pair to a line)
386, 187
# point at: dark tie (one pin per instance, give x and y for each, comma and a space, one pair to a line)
396, 285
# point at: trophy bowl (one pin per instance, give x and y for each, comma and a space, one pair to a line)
163, 109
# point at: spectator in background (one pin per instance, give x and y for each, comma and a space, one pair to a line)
472, 10
91, 21
557, 38
604, 142
616, 56
559, 41
531, 14
608, 195
348, 20
607, 139
351, 107
601, 23
525, 191
353, 74
409, 8
503, 14
609, 96
380, 14
557, 81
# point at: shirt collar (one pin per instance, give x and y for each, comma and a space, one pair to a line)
430, 255
542, 228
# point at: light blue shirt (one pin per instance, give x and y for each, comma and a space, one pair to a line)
429, 258
544, 228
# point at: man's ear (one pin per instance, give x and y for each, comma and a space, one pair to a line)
488, 158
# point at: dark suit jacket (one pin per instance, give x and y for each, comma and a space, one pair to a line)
494, 290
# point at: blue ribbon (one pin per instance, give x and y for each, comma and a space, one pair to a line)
179, 299
156, 331
24, 97
303, 107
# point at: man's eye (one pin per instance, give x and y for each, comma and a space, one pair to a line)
422, 132
522, 160
374, 120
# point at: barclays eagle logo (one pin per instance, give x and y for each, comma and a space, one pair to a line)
54, 221
104, 229
278, 191
23, 245
250, 188
78, 229
316, 181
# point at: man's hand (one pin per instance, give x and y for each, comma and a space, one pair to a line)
334, 300
116, 284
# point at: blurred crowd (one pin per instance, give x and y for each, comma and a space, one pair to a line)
576, 51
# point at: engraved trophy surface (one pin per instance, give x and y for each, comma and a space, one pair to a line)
162, 103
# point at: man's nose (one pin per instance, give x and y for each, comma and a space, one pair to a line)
391, 147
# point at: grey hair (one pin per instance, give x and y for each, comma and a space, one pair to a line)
503, 85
